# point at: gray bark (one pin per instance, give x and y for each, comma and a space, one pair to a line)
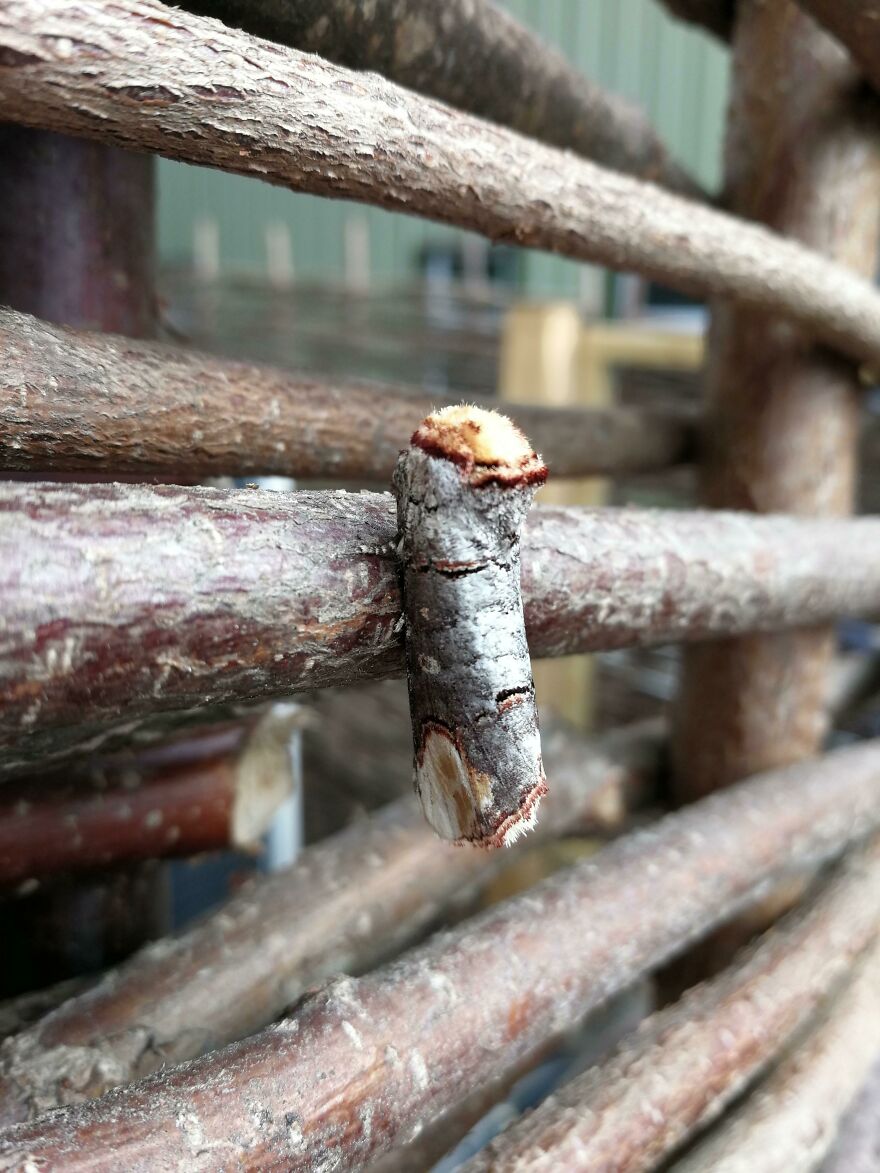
478, 768
204, 94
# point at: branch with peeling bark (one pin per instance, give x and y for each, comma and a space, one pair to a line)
121, 602
100, 71
857, 1143
474, 55
788, 1124
74, 402
671, 1077
220, 790
366, 1062
348, 903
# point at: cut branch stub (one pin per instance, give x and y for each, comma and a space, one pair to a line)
464, 487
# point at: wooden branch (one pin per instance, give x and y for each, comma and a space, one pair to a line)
210, 793
789, 1123
73, 402
782, 415
464, 486
858, 1136
475, 56
854, 23
100, 71
350, 902
716, 16
24, 1009
93, 266
365, 1063
687, 1062
124, 601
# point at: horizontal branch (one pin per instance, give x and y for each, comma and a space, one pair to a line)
74, 402
352, 900
212, 792
365, 1063
672, 1077
855, 24
788, 1124
122, 601
474, 55
208, 95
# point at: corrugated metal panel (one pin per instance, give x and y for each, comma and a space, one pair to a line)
631, 46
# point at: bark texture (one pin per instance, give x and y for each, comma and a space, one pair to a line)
474, 55
461, 505
348, 903
73, 402
211, 793
856, 24
208, 95
782, 413
686, 1063
365, 1063
789, 1123
121, 602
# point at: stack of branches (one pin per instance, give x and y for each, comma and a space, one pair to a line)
178, 1058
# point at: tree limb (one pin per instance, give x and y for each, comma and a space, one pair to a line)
687, 1062
367, 1062
788, 1124
74, 402
348, 903
121, 601
210, 793
475, 56
204, 94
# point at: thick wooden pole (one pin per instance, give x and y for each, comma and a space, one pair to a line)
306, 124
122, 602
803, 157
77, 247
474, 55
366, 1062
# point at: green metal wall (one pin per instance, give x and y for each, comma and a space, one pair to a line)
677, 74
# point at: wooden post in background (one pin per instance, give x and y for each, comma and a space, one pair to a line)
549, 357
77, 248
803, 156
539, 344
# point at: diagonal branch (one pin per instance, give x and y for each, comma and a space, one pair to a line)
686, 1063
367, 1062
204, 94
348, 903
475, 56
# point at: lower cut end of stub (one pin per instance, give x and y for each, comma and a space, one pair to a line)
465, 805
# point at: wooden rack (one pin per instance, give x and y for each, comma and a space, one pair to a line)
145, 627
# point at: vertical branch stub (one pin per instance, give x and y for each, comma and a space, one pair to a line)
464, 487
